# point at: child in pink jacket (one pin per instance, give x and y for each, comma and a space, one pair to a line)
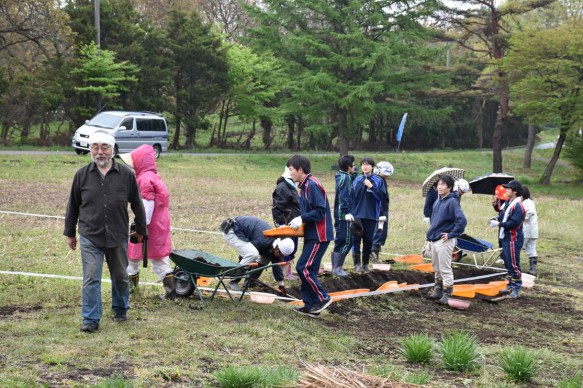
155, 197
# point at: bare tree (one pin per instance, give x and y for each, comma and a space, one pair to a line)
227, 15
481, 26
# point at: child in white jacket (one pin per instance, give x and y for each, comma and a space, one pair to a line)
530, 229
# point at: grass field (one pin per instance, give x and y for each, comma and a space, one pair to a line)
169, 344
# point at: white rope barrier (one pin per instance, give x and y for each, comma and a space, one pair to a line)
172, 228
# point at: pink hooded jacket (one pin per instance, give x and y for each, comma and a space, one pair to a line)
152, 188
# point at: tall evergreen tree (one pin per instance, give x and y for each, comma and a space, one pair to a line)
199, 71
548, 67
344, 57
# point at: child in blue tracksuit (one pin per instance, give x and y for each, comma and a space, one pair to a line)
318, 232
510, 222
342, 216
447, 223
369, 192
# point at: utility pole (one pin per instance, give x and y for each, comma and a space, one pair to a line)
98, 43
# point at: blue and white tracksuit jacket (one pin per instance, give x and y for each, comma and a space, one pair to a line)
366, 205
513, 239
380, 235
342, 205
318, 233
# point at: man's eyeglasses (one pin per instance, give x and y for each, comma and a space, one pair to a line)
104, 147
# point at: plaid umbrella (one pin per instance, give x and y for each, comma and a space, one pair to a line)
455, 173
486, 184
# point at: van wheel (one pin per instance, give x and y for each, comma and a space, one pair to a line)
116, 151
80, 152
157, 150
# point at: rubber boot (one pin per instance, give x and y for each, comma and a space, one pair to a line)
134, 282
337, 263
437, 291
446, 295
514, 293
508, 288
356, 259
169, 286
375, 254
533, 261
365, 261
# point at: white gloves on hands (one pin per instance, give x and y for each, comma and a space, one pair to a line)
382, 218
296, 223
494, 222
349, 217
426, 220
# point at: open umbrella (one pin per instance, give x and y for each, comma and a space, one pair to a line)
456, 173
486, 184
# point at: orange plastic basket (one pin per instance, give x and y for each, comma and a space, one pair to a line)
390, 285
425, 267
501, 284
285, 231
487, 289
343, 294
464, 290
409, 259
203, 281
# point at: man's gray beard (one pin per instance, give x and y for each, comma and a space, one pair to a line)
103, 163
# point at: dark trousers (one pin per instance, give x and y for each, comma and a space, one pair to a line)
511, 246
368, 229
343, 238
307, 267
380, 236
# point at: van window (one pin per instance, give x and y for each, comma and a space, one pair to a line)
150, 125
104, 120
128, 122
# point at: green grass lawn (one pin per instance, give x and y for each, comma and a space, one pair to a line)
168, 343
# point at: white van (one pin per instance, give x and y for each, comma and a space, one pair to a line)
130, 129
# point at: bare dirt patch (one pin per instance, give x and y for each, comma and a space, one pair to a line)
380, 322
6, 311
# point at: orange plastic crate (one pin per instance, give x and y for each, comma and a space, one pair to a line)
464, 290
425, 267
487, 289
409, 259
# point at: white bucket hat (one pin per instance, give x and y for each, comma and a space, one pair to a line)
462, 185
384, 169
286, 246
127, 158
100, 137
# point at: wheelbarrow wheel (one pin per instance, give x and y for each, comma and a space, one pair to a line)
184, 285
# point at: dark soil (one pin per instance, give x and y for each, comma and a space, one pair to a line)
381, 320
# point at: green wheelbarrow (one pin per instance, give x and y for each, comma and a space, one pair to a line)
192, 264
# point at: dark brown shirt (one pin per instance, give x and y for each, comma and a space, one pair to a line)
99, 204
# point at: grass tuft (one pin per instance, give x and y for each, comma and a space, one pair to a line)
114, 382
420, 377
418, 348
458, 351
251, 376
574, 381
518, 363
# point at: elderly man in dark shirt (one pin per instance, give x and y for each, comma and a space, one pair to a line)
98, 204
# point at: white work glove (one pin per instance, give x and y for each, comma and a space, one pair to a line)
426, 220
296, 223
494, 222
349, 217
382, 220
